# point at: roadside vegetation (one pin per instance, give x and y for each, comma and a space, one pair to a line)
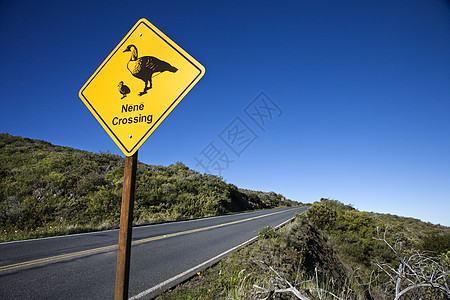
333, 251
51, 190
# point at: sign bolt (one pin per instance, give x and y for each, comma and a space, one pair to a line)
130, 136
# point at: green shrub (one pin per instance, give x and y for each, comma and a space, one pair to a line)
435, 242
322, 215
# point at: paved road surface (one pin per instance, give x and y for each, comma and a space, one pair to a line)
83, 266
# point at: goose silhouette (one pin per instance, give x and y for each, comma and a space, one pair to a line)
123, 89
145, 66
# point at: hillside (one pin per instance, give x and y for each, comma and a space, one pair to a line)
333, 251
47, 190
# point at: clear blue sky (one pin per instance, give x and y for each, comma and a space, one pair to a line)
359, 92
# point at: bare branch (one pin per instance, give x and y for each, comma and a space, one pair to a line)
399, 279
330, 293
291, 288
384, 238
415, 271
411, 287
317, 284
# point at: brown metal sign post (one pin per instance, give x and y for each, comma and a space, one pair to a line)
126, 226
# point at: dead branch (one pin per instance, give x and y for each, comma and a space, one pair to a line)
415, 271
283, 286
281, 289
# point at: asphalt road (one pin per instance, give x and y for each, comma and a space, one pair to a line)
83, 266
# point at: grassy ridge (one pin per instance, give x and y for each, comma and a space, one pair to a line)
48, 190
330, 252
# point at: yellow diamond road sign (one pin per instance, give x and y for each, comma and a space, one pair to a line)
139, 84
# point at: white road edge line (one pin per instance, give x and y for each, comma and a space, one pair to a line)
198, 267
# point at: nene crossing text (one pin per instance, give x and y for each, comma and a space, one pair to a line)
133, 119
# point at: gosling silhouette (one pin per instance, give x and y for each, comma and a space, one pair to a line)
123, 89
145, 66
